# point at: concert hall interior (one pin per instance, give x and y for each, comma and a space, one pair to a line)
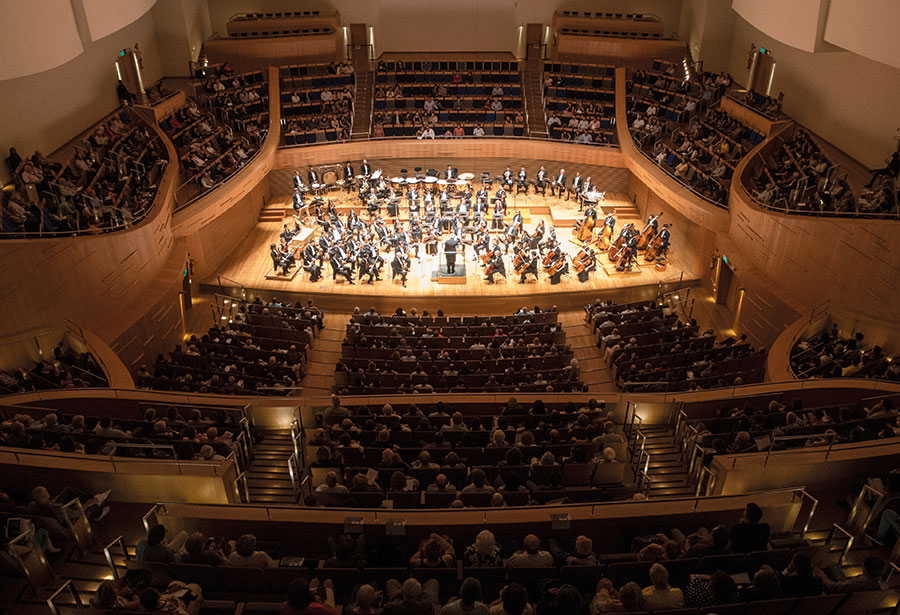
487, 307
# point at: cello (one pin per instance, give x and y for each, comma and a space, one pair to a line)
520, 262
580, 261
659, 246
648, 233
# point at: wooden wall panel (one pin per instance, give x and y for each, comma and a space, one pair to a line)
255, 53
620, 51
301, 157
853, 263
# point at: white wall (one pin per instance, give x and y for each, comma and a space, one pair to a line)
107, 16
795, 22
851, 101
46, 110
181, 28
36, 35
706, 26
866, 27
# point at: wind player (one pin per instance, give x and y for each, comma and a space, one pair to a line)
540, 182
522, 179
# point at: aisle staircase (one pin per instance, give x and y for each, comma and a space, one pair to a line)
362, 105
594, 373
323, 354
667, 473
534, 100
268, 477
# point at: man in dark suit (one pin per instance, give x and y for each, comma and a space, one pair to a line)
540, 182
449, 173
559, 184
348, 176
450, 250
577, 185
365, 169
312, 176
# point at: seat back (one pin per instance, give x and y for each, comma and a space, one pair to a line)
818, 605
203, 575
863, 603
584, 578
344, 579
778, 606
251, 580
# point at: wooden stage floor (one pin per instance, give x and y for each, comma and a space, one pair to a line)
250, 263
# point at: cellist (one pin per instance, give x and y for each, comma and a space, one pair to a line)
585, 264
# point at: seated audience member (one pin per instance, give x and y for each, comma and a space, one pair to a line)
583, 555
245, 554
710, 590
364, 602
836, 582
197, 552
42, 504
513, 600
155, 548
750, 534
632, 597
661, 596
302, 599
435, 552
531, 556
410, 598
798, 580
765, 586
483, 552
469, 601
346, 552
441, 485
331, 492
478, 484
606, 599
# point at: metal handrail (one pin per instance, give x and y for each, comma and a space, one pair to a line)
145, 520
294, 472
486, 136
69, 586
107, 554
835, 528
644, 483
705, 482
804, 495
241, 481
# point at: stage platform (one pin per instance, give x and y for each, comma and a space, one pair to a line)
249, 269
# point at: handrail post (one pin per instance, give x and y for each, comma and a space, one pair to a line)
107, 554
69, 586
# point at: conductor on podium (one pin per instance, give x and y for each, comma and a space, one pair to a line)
450, 251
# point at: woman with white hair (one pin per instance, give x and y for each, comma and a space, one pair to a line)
484, 552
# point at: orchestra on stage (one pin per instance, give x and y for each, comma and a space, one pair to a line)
437, 215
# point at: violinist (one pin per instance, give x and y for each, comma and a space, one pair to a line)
535, 238
584, 264
338, 267
495, 266
530, 265
483, 243
312, 262
400, 266
275, 253
367, 266
431, 240
522, 181
482, 195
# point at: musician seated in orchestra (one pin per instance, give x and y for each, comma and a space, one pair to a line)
495, 266
531, 265
587, 264
339, 268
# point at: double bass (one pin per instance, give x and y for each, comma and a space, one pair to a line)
606, 232
658, 247
616, 246
648, 233
584, 230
